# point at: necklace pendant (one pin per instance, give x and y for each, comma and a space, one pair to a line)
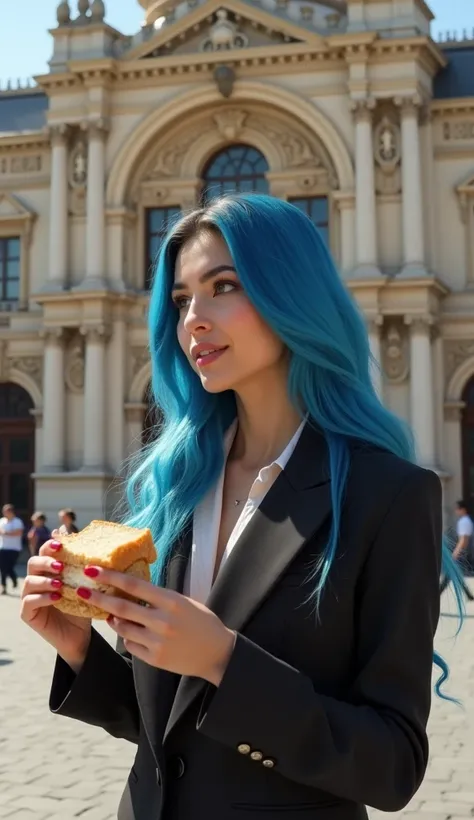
236, 502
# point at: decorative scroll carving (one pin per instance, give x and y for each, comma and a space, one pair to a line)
456, 351
230, 122
29, 164
74, 368
223, 35
31, 366
387, 156
458, 130
395, 353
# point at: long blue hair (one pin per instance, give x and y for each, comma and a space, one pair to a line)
290, 278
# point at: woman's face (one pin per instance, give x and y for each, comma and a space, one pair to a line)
224, 338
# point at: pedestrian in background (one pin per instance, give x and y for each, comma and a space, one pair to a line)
67, 518
39, 533
11, 532
463, 550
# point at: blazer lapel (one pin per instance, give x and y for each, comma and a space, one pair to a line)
295, 508
156, 688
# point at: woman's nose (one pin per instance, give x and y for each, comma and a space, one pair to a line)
195, 319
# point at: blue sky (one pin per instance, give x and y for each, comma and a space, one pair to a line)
25, 45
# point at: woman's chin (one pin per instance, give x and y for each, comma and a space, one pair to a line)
214, 384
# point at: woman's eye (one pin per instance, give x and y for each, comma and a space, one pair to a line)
224, 287
180, 302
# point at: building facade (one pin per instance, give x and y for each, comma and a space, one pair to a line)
354, 114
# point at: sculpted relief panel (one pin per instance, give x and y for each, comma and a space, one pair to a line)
286, 145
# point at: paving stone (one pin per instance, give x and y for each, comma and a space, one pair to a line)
52, 768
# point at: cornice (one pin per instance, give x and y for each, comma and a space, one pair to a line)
33, 141
456, 105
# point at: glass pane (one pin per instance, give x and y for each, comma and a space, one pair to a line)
237, 168
20, 450
13, 248
18, 490
155, 220
12, 268
12, 289
319, 210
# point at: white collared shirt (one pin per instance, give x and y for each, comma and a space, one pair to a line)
207, 519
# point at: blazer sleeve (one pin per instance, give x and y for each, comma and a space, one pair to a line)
372, 748
102, 693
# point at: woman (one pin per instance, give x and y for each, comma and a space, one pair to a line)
38, 533
67, 519
292, 678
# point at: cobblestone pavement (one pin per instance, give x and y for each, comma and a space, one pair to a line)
58, 769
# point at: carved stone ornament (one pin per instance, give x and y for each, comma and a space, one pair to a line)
388, 178
169, 159
78, 165
455, 353
387, 143
230, 122
224, 35
31, 366
395, 356
74, 369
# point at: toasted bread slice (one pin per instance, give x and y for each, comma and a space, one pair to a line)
108, 545
104, 544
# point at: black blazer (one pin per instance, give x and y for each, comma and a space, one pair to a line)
314, 717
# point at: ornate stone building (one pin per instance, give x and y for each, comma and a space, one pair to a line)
355, 115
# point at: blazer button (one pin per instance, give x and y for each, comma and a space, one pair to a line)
243, 748
268, 763
176, 767
256, 756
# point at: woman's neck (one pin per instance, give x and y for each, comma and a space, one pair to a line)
267, 421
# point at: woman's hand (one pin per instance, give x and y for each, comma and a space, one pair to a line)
69, 635
171, 632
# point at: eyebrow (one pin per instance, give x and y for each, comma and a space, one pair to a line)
209, 274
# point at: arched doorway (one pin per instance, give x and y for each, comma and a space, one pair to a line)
17, 449
467, 439
240, 168
152, 418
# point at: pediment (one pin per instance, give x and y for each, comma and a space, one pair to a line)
214, 27
11, 208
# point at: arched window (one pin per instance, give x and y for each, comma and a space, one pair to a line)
467, 437
17, 449
238, 168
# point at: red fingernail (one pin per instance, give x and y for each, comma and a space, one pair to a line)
55, 545
83, 592
57, 566
55, 596
56, 582
91, 572
110, 619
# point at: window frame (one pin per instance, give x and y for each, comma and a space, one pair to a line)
148, 261
220, 180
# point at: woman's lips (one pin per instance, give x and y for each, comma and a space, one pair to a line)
204, 361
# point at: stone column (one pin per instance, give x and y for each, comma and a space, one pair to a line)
412, 193
54, 400
58, 209
374, 329
94, 398
422, 388
95, 203
366, 222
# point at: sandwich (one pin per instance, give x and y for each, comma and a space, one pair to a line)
102, 544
